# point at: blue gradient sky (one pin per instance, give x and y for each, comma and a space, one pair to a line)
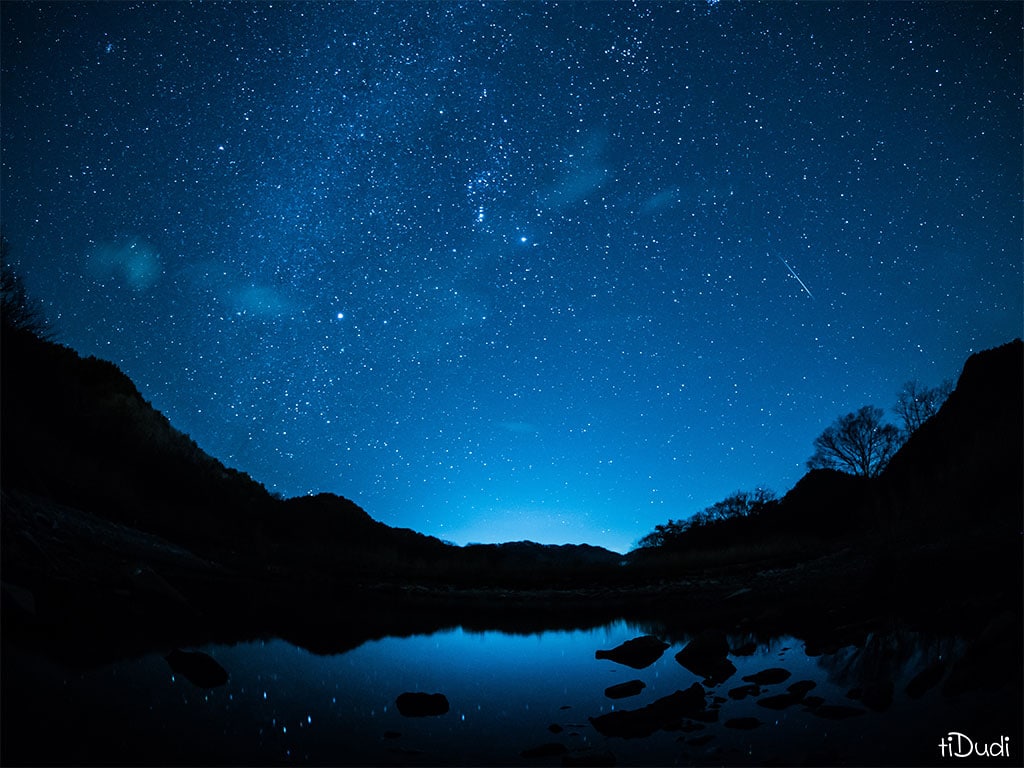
550, 271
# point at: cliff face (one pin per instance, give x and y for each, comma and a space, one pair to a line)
966, 463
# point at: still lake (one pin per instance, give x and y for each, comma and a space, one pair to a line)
508, 694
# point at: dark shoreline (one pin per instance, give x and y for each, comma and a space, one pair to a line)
957, 585
121, 539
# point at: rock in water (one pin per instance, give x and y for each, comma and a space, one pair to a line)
801, 687
769, 676
197, 667
422, 704
722, 670
637, 653
622, 690
781, 701
709, 644
705, 655
743, 691
664, 714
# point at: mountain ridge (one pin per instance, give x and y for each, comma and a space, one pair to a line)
76, 429
123, 538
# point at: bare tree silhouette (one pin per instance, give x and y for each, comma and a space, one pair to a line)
858, 443
916, 403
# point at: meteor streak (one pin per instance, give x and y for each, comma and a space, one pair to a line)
794, 274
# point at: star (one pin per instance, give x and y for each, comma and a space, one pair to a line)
584, 246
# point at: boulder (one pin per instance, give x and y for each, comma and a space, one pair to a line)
812, 702
197, 667
719, 673
744, 691
705, 655
705, 716
417, 704
769, 676
637, 653
665, 714
709, 645
801, 687
742, 723
781, 701
624, 690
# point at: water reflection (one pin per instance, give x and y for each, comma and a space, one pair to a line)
889, 657
540, 699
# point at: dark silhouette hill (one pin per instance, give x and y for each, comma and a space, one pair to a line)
119, 536
962, 470
550, 555
966, 463
963, 465
119, 531
77, 433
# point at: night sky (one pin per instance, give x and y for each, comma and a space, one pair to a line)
549, 271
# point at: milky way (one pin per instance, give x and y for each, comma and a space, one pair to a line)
517, 270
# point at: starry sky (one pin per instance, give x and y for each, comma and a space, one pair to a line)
524, 270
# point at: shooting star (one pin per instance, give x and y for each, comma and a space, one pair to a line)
794, 274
